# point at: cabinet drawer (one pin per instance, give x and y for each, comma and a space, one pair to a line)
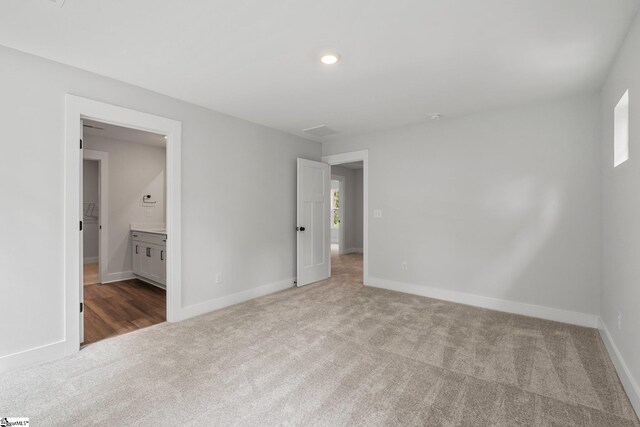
155, 239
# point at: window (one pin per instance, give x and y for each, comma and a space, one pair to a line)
621, 130
335, 208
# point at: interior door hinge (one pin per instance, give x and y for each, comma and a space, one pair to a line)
80, 225
81, 144
81, 307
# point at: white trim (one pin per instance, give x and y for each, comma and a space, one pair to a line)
102, 157
78, 108
227, 300
119, 277
624, 373
353, 251
356, 156
531, 310
32, 356
90, 260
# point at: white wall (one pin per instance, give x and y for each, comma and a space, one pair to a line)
504, 204
90, 194
621, 215
243, 227
134, 170
351, 207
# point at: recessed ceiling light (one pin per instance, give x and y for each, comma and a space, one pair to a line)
435, 116
330, 58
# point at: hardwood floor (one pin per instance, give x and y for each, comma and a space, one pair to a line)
121, 307
91, 274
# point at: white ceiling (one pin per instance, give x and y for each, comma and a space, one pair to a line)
401, 59
93, 128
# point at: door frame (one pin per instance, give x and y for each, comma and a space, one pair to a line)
341, 179
102, 158
77, 109
356, 156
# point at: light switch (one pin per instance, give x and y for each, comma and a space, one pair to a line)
377, 213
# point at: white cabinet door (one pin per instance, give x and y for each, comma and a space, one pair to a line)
163, 266
145, 260
150, 257
137, 250
153, 264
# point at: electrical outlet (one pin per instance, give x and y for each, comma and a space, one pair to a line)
619, 320
404, 266
148, 212
377, 213
218, 277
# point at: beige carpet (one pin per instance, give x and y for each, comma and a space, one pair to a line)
334, 353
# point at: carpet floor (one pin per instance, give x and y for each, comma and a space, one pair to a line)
332, 353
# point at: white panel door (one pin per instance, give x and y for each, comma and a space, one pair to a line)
313, 229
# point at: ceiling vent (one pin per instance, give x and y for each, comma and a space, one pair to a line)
320, 131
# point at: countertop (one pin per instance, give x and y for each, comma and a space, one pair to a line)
149, 228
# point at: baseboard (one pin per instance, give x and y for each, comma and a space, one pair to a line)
353, 251
119, 276
56, 350
531, 310
32, 356
227, 300
628, 382
90, 260
150, 282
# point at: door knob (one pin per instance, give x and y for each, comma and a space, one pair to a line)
300, 228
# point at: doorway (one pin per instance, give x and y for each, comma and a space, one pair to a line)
354, 216
346, 219
91, 220
95, 178
314, 260
78, 112
124, 230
